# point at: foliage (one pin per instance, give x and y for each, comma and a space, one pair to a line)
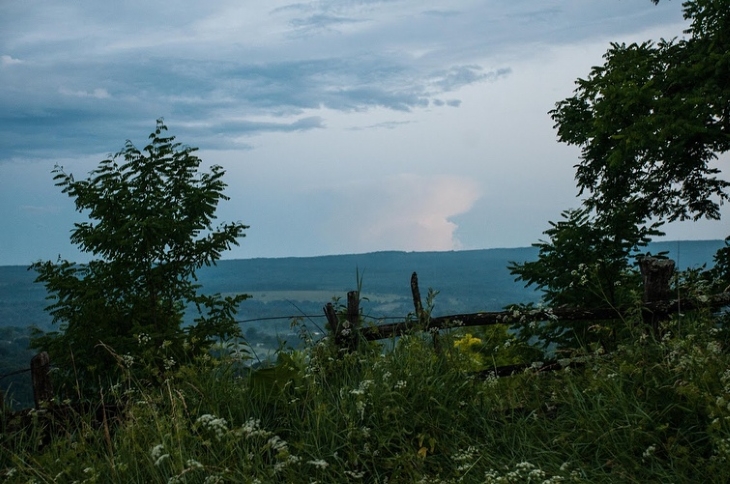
653, 411
150, 226
650, 122
652, 119
720, 272
574, 244
584, 264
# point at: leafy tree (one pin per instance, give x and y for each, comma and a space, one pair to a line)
150, 227
585, 263
652, 119
650, 123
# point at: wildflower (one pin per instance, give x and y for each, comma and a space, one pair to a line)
492, 379
467, 341
252, 428
161, 459
292, 459
128, 360
166, 344
218, 426
277, 443
156, 451
143, 338
360, 405
363, 387
319, 463
714, 347
355, 474
648, 452
193, 464
169, 363
400, 384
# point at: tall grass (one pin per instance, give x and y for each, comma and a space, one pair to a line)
656, 410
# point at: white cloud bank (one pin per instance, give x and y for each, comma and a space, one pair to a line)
7, 60
401, 212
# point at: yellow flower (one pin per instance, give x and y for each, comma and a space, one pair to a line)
466, 341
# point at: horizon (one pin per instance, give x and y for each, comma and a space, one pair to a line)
662, 241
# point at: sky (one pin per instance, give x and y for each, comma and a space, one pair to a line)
344, 126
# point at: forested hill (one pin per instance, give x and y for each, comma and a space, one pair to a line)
467, 281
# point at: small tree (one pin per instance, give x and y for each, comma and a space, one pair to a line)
584, 264
150, 228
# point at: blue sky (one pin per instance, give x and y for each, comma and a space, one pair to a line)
344, 126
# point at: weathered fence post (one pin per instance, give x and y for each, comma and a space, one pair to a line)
345, 333
40, 365
656, 275
416, 297
420, 313
350, 334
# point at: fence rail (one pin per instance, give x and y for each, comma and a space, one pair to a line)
656, 307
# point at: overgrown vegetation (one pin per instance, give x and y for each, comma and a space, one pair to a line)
653, 406
655, 410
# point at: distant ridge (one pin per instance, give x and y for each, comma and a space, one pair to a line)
467, 280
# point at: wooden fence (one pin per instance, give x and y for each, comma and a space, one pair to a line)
657, 306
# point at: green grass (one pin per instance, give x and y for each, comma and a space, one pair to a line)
653, 411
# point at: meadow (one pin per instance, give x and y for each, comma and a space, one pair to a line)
656, 410
406, 410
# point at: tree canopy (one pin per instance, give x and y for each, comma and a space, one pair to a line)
150, 227
651, 120
651, 123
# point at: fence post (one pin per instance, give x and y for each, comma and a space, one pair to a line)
331, 315
416, 297
656, 275
40, 365
349, 338
420, 314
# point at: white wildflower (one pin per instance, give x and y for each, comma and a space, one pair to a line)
156, 451
218, 426
319, 463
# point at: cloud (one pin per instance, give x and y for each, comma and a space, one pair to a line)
321, 22
441, 13
403, 212
7, 60
459, 76
384, 125
97, 93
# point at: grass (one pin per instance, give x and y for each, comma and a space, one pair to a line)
653, 411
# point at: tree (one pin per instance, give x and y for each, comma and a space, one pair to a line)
585, 263
650, 122
652, 119
150, 228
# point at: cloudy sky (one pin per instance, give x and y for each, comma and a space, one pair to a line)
344, 126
